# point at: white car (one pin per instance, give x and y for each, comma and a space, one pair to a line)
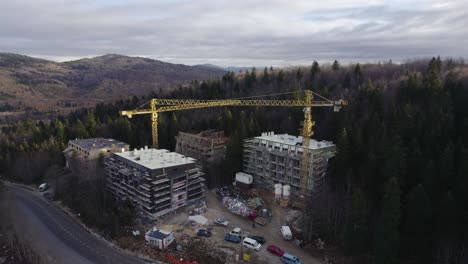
43, 187
236, 232
221, 221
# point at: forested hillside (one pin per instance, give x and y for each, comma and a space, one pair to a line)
398, 186
27, 82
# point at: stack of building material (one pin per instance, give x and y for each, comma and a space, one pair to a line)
255, 202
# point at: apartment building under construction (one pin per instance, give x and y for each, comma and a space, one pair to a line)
206, 146
156, 181
274, 159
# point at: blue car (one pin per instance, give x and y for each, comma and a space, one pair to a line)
232, 238
288, 258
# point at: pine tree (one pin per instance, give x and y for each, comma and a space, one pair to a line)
280, 77
447, 219
432, 81
388, 236
358, 76
253, 75
80, 130
336, 65
418, 224
91, 122
265, 77
357, 228
315, 69
298, 74
59, 132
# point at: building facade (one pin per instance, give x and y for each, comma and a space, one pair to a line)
156, 181
275, 159
206, 146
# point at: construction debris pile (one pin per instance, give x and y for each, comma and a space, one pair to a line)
199, 207
239, 202
236, 206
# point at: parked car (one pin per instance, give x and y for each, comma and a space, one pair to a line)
43, 186
259, 239
204, 232
251, 243
288, 258
275, 250
221, 221
286, 232
232, 238
236, 232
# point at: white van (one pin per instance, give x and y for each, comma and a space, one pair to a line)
286, 232
252, 244
43, 187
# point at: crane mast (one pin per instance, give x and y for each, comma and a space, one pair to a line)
158, 105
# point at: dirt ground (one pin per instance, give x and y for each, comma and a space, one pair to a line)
270, 231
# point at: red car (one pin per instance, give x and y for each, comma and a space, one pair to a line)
275, 250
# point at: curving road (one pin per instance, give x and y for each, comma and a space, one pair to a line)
56, 236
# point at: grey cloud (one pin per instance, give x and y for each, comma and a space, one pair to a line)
234, 33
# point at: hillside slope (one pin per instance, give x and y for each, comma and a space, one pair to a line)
105, 77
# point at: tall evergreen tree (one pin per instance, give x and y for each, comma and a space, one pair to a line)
432, 81
358, 76
80, 130
336, 66
388, 235
59, 132
357, 227
280, 77
265, 77
315, 69
418, 223
298, 74
253, 75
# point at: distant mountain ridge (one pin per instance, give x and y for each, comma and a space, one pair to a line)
228, 69
108, 77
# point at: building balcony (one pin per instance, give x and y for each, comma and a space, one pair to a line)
200, 185
160, 181
162, 187
162, 200
195, 181
145, 187
161, 194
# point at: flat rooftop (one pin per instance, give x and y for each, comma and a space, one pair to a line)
155, 158
98, 143
293, 140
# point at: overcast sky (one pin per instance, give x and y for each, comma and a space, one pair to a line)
236, 33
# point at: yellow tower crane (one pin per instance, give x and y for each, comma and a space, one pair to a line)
157, 106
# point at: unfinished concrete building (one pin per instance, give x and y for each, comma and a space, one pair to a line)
93, 148
156, 181
206, 146
274, 159
83, 156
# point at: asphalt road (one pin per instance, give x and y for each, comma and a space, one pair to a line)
56, 236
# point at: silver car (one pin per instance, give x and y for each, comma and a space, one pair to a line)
221, 221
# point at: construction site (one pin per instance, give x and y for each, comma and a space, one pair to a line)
280, 172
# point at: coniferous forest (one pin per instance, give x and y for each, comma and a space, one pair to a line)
397, 188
